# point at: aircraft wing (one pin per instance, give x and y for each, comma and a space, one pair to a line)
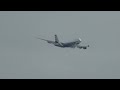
46, 40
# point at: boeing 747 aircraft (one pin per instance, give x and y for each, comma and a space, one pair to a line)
71, 44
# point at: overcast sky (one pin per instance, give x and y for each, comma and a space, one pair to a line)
23, 56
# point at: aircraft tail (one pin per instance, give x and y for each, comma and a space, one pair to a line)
56, 39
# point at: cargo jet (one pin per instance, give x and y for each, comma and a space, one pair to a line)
71, 44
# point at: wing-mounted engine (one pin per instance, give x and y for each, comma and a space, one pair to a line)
84, 47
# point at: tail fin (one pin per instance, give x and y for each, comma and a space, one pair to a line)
56, 39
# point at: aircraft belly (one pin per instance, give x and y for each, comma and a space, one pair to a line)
69, 45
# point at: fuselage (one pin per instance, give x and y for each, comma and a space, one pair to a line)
72, 44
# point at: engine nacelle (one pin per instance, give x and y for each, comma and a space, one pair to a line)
84, 47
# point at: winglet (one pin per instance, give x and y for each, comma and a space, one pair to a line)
80, 39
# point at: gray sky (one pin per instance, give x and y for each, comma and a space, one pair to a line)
23, 56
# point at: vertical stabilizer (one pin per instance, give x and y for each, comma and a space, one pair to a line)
56, 39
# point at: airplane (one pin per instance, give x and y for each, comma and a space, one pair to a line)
71, 44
